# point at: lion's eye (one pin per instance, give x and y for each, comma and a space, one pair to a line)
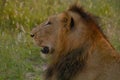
48, 23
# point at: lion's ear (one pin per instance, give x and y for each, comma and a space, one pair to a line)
67, 21
69, 24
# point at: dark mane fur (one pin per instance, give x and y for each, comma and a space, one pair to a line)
68, 65
80, 11
87, 17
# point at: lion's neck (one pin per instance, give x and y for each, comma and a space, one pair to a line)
102, 53
103, 48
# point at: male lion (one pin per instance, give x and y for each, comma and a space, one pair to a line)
78, 48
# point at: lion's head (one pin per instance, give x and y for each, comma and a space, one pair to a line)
63, 32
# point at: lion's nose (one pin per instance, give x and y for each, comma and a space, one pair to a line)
32, 35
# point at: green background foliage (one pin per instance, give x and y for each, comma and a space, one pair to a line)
19, 58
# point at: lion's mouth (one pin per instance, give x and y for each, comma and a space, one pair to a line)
45, 50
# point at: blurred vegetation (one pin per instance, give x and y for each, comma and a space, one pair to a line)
19, 58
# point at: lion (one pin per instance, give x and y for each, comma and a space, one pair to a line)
77, 47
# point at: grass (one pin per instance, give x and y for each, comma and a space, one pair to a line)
19, 57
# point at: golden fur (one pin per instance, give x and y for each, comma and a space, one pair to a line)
78, 48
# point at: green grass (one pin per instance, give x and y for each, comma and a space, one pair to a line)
19, 57
15, 56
